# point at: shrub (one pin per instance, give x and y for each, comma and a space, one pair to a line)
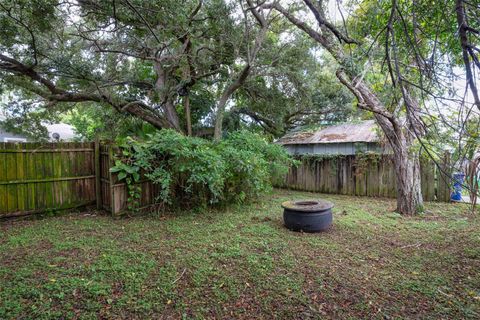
253, 164
194, 171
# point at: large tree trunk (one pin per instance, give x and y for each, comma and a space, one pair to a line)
409, 191
217, 133
162, 87
400, 138
222, 103
407, 166
172, 116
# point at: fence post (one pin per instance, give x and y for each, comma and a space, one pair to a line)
98, 185
110, 178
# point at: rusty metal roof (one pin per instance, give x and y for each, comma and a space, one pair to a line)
365, 131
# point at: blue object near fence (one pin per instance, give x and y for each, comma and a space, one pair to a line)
457, 186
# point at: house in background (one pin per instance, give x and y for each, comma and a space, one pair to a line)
343, 139
6, 136
56, 132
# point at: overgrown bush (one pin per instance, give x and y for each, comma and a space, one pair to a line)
193, 171
253, 164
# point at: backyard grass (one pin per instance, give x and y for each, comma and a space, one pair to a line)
240, 262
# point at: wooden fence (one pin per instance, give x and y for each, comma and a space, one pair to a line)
49, 177
37, 178
42, 177
366, 176
114, 193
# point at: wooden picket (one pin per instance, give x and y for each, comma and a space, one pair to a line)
373, 177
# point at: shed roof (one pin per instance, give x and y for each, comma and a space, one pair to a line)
364, 131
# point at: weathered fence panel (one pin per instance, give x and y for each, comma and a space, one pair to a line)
115, 192
371, 176
443, 179
38, 177
105, 177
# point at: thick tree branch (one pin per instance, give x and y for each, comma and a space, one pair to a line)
12, 65
362, 104
463, 28
322, 22
300, 24
55, 94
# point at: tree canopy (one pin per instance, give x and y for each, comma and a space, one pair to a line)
170, 64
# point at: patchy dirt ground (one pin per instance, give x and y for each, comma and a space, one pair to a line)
242, 263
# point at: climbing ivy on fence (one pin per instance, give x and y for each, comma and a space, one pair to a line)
361, 160
364, 159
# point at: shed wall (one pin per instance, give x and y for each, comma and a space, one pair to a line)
348, 148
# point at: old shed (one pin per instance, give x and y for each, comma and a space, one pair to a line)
342, 139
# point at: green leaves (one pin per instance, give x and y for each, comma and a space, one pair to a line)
122, 175
130, 172
124, 170
241, 167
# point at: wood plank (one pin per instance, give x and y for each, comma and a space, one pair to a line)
57, 173
372, 178
64, 166
392, 179
30, 174
443, 193
431, 179
49, 174
22, 201
29, 212
11, 174
110, 176
98, 176
40, 188
3, 177
426, 179
20, 182
104, 177
386, 177
120, 198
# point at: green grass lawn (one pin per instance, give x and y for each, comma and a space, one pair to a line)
241, 262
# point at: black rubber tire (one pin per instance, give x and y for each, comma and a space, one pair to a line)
307, 215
